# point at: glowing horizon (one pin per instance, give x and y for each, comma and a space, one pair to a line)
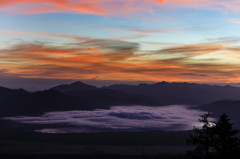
128, 40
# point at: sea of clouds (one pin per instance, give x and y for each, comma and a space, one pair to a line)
119, 118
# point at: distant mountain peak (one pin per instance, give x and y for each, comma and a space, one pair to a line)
163, 82
78, 83
228, 86
76, 86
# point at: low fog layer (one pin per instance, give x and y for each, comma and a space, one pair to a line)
119, 118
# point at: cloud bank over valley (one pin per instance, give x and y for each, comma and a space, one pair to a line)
119, 118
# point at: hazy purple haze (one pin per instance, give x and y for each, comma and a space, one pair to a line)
119, 118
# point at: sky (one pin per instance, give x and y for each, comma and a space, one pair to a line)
119, 40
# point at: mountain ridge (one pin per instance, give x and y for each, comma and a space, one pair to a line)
6, 93
200, 93
73, 87
80, 96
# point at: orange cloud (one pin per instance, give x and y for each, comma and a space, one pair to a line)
120, 61
160, 1
94, 49
183, 1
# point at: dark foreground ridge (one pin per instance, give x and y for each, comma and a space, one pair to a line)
147, 138
152, 144
96, 156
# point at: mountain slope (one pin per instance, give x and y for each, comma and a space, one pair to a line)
181, 93
112, 98
37, 103
40, 102
224, 106
6, 93
74, 87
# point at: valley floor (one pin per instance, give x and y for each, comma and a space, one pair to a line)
23, 148
32, 147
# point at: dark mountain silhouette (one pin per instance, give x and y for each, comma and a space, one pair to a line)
80, 96
51, 100
112, 98
181, 93
40, 102
74, 87
229, 107
119, 86
6, 93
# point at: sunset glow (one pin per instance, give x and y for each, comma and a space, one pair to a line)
128, 40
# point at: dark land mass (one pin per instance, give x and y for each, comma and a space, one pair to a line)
6, 93
113, 98
80, 96
94, 156
181, 93
37, 103
148, 138
163, 93
20, 139
152, 144
76, 86
26, 132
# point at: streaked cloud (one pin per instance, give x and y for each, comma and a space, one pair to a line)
110, 7
234, 21
194, 49
123, 40
117, 59
21, 33
192, 74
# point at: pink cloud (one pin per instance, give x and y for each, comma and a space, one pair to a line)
111, 7
234, 21
103, 7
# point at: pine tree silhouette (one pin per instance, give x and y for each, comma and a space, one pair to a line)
203, 140
225, 142
214, 140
